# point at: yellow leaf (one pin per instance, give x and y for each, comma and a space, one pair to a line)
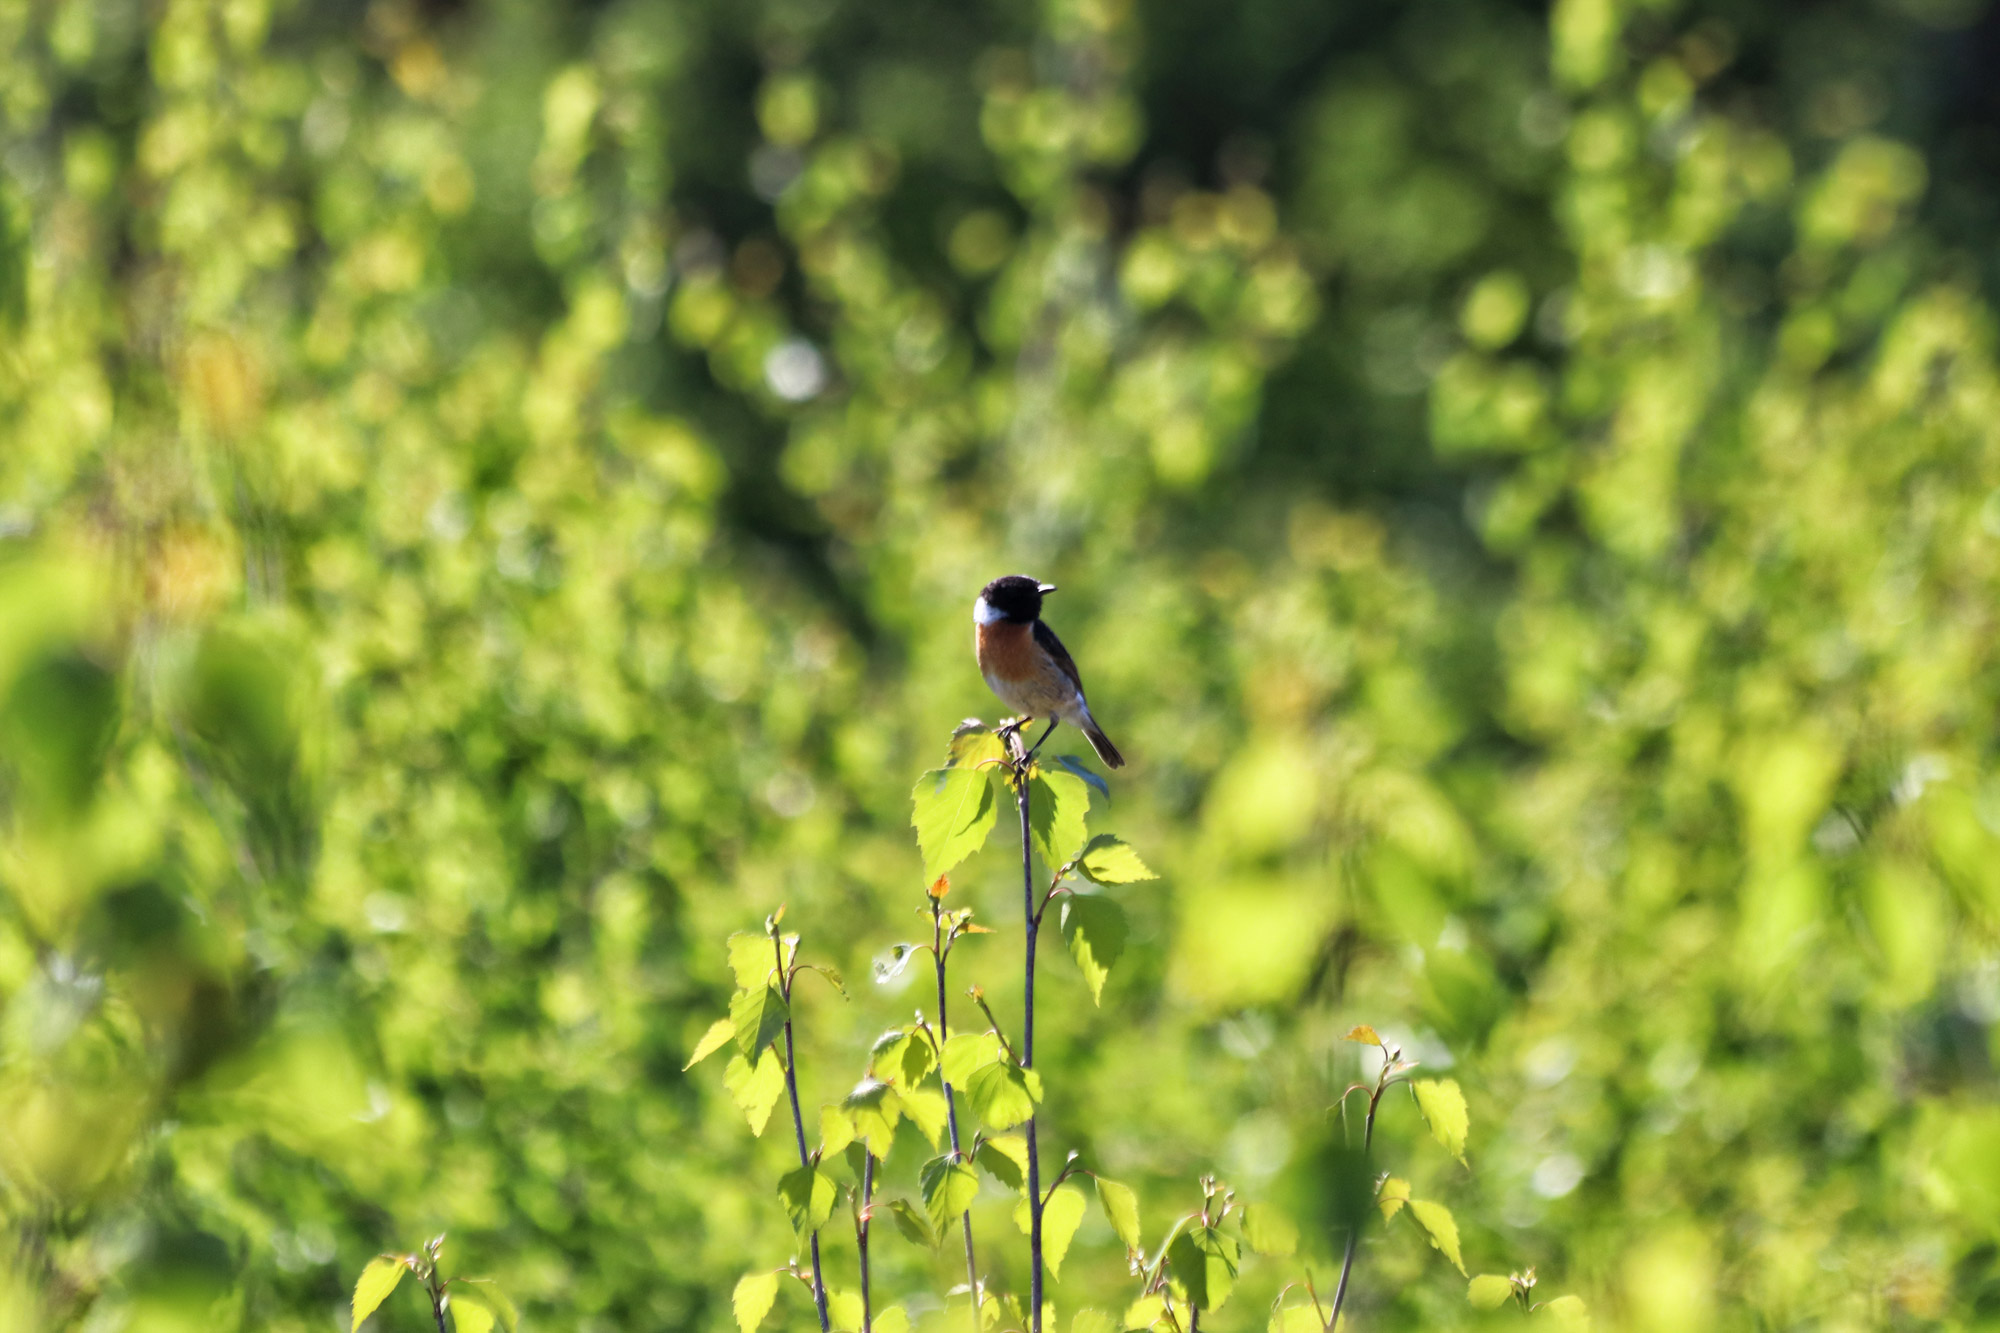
1392, 1196
1443, 1106
1436, 1220
1364, 1034
1489, 1291
377, 1281
718, 1035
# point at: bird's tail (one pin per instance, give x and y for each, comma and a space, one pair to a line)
1100, 742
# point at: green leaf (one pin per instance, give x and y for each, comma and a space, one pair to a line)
966, 1051
844, 1307
755, 1088
1437, 1223
1443, 1106
895, 1319
1093, 927
1392, 1195
1058, 809
753, 958
718, 1035
1070, 765
1109, 860
1121, 1210
903, 1056
759, 1017
949, 1188
469, 1314
955, 810
1489, 1291
1568, 1313
1088, 1320
1268, 1231
1144, 1312
1005, 1157
809, 1196
494, 1299
754, 1296
376, 1282
1061, 1216
913, 1225
973, 745
875, 1109
1297, 1319
836, 1131
927, 1110
1204, 1261
1003, 1095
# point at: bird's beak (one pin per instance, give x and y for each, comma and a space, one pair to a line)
1045, 588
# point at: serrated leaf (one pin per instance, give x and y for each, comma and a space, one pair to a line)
377, 1280
1071, 764
809, 1195
1568, 1313
1268, 1231
1489, 1291
875, 1109
469, 1314
913, 1225
1437, 1223
753, 1299
1003, 1094
1144, 1312
718, 1035
1204, 1262
1364, 1034
496, 1300
836, 1131
1443, 1106
1393, 1194
1058, 813
1121, 1210
1005, 1157
1061, 1216
844, 1308
953, 812
965, 1052
759, 1017
926, 1109
755, 1088
1093, 927
1296, 1319
919, 1058
753, 958
949, 1188
974, 743
1110, 860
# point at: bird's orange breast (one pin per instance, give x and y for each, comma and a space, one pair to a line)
1007, 650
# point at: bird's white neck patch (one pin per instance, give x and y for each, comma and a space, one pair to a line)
985, 613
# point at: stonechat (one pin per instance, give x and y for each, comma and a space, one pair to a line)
1026, 664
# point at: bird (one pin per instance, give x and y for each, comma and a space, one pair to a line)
1027, 666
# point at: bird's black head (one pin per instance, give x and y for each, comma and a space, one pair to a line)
1016, 597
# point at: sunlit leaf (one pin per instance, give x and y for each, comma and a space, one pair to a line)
755, 1088
1109, 860
469, 1314
966, 1051
718, 1035
954, 811
1568, 1313
836, 1130
1088, 1320
753, 958
1437, 1223
377, 1280
844, 1308
1003, 1094
1443, 1106
974, 744
926, 1109
1489, 1291
1144, 1312
1093, 927
1061, 1216
1121, 1210
1204, 1261
1058, 807
1364, 1034
949, 1188
913, 1225
1296, 1319
895, 1319
874, 1108
1392, 1196
758, 1017
1005, 1157
809, 1195
488, 1293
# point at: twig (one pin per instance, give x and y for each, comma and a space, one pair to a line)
799, 1120
939, 948
861, 1221
1382, 1085
1033, 919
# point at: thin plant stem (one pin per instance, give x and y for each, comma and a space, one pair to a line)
1354, 1232
861, 1220
1033, 921
799, 1124
939, 947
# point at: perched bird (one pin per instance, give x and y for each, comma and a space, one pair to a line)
1026, 664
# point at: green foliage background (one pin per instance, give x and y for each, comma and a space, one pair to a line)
492, 493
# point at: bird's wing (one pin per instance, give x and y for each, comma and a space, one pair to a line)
1049, 643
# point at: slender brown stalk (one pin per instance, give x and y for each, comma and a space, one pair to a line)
1033, 917
861, 1221
799, 1122
939, 947
1354, 1232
